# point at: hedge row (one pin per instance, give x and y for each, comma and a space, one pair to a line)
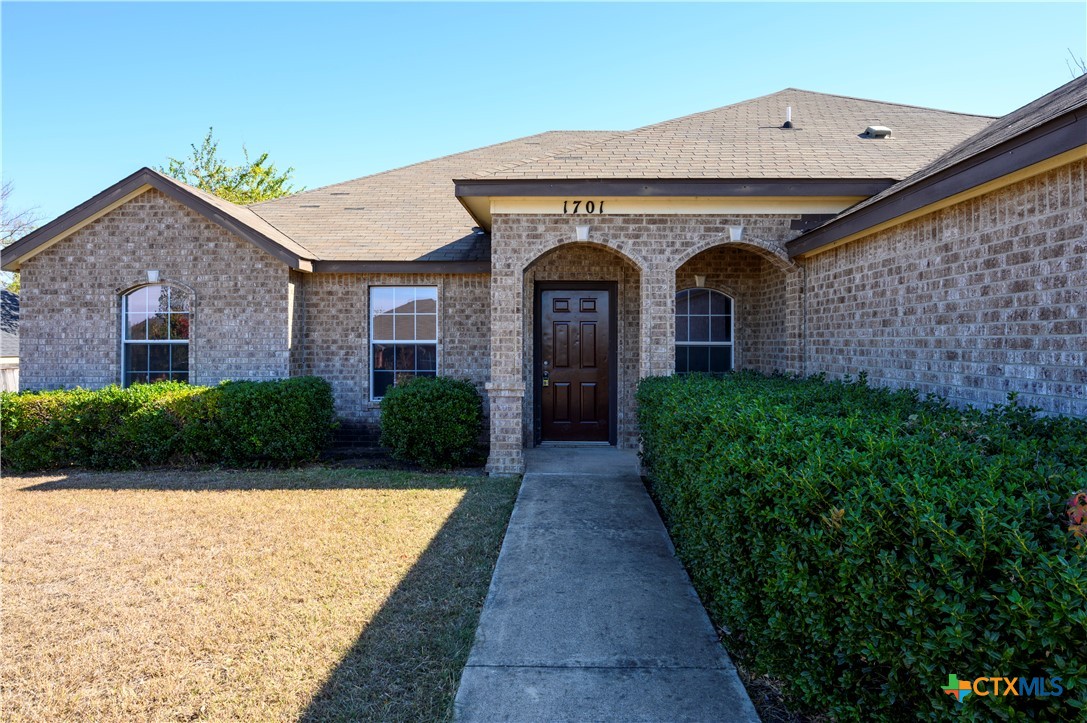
236, 423
861, 545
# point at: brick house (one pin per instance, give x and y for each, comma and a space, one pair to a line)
797, 232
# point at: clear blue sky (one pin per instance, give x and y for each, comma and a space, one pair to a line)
91, 92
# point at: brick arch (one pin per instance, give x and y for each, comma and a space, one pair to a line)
770, 251
549, 245
121, 293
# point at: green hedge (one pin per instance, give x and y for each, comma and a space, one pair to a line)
861, 545
236, 423
435, 422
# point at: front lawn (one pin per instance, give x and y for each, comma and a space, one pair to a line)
314, 594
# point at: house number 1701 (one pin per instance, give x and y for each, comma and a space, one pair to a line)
583, 207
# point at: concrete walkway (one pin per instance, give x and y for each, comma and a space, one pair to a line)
590, 616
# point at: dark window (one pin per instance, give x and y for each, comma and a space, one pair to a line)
703, 332
403, 335
156, 334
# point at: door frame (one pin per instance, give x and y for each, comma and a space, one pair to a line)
612, 288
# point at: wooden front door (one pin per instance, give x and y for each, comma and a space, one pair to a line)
574, 368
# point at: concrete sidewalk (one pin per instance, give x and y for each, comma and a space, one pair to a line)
590, 616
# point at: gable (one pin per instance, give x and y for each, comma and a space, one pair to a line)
237, 219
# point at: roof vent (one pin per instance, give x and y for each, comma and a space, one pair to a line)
788, 117
477, 231
876, 132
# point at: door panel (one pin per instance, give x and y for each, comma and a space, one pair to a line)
573, 387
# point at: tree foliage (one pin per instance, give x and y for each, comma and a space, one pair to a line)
251, 181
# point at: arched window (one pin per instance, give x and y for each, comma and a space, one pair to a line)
156, 334
703, 331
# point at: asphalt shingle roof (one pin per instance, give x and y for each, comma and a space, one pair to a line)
241, 214
746, 140
407, 214
1068, 97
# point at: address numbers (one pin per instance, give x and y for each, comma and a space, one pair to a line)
582, 206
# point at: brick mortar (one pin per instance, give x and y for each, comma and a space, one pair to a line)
921, 295
70, 305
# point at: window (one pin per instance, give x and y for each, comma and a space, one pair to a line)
403, 335
156, 334
703, 332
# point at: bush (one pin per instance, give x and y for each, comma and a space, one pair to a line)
862, 545
236, 423
432, 421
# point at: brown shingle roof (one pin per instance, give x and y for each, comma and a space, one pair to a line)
409, 213
746, 140
1068, 97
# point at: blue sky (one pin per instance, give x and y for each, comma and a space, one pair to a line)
91, 92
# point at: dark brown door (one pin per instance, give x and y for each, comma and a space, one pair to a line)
574, 365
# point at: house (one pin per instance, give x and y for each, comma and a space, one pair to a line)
9, 341
797, 232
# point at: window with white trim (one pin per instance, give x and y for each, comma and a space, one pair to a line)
156, 326
403, 335
703, 332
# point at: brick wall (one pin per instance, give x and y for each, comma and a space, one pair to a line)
757, 288
648, 248
70, 323
336, 335
972, 302
588, 263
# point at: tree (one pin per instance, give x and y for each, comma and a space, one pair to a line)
250, 182
13, 226
1076, 66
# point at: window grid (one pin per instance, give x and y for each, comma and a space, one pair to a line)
403, 335
704, 331
155, 323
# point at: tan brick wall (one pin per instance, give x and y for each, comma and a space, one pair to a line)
70, 325
590, 263
336, 336
972, 302
651, 249
757, 288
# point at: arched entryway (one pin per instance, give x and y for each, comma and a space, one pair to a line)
758, 286
582, 329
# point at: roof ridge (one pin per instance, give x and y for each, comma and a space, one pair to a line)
212, 198
565, 149
711, 110
803, 90
990, 139
891, 102
417, 163
623, 134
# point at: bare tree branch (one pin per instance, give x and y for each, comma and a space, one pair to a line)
14, 224
1076, 66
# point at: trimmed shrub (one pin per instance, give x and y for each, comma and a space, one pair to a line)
432, 421
246, 423
236, 423
862, 545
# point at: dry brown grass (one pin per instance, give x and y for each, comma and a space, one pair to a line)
188, 595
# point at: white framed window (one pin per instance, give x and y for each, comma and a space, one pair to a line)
156, 326
403, 335
704, 328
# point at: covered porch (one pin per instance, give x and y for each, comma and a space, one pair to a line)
575, 324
